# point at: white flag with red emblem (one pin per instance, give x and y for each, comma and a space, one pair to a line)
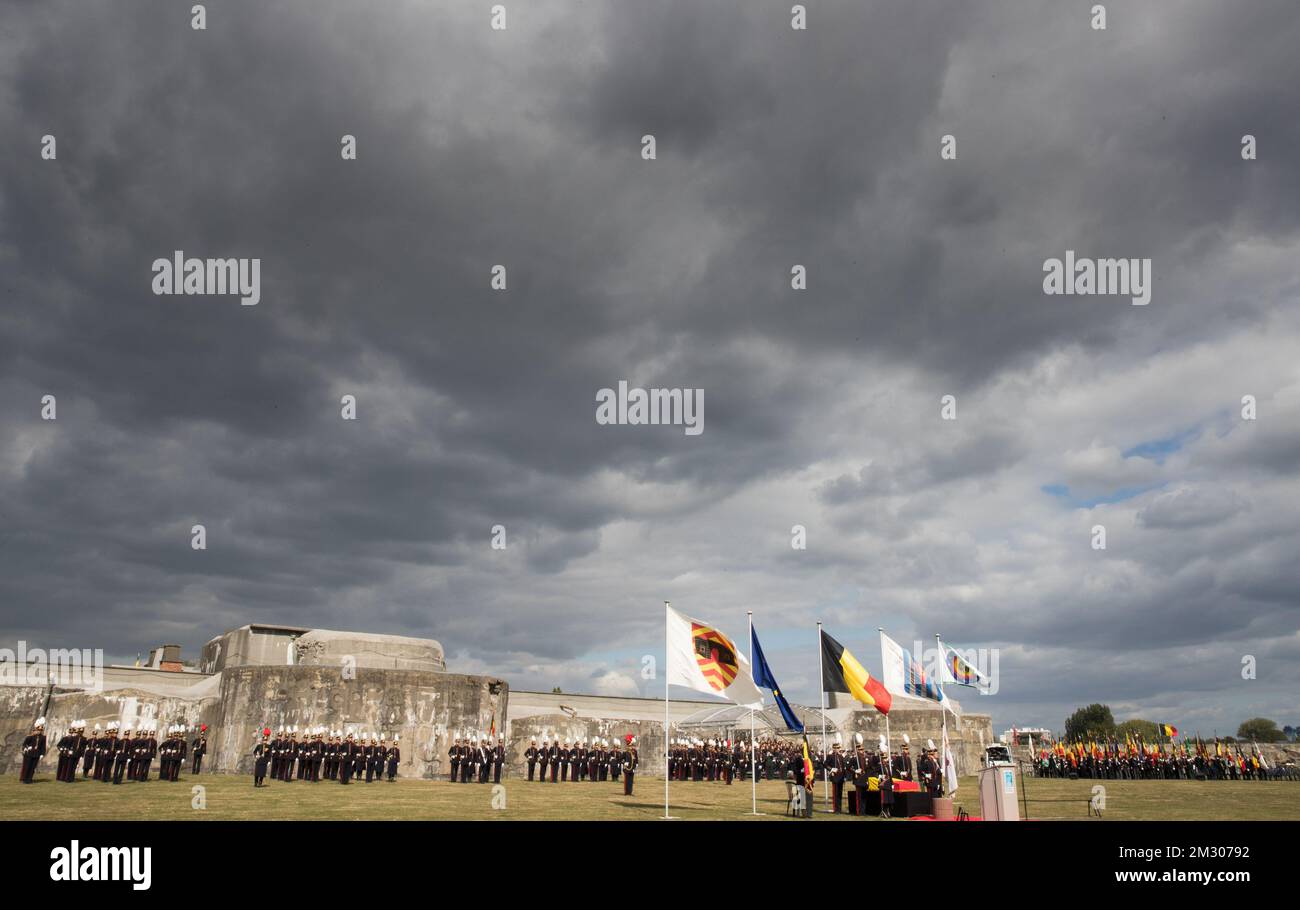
700, 657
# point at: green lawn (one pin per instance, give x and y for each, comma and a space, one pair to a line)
229, 797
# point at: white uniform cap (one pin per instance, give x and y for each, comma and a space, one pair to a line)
97, 728
907, 740
857, 738
929, 744
883, 744
40, 721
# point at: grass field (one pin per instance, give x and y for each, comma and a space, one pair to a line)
231, 797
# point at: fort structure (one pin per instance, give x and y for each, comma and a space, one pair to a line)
276, 676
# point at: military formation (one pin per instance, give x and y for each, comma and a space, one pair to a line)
585, 759
722, 761
115, 754
317, 754
1137, 760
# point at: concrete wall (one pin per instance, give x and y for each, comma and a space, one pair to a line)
425, 709
19, 706
252, 644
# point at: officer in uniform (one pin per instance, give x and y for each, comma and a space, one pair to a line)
261, 758
629, 762
860, 770
67, 747
34, 746
91, 751
927, 770
530, 755
104, 746
498, 759
345, 759
903, 766
200, 749
394, 756
553, 757
125, 752
835, 765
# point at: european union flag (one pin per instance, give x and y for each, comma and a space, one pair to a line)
763, 677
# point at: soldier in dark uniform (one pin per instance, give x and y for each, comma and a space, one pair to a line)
554, 757
530, 754
484, 759
139, 746
261, 758
104, 746
125, 752
903, 764
859, 769
34, 746
564, 762
498, 759
179, 758
927, 770
150, 752
629, 762
67, 748
453, 758
200, 749
91, 751
166, 754
835, 766
394, 757
375, 759
317, 755
467, 771
345, 759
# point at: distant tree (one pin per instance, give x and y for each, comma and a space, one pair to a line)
556, 691
1260, 729
1092, 722
1145, 730
1289, 732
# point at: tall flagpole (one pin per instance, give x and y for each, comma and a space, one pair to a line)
889, 755
666, 659
943, 712
753, 782
821, 671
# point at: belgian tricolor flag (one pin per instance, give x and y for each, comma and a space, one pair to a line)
1168, 730
841, 672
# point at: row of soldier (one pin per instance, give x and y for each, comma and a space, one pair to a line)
316, 754
481, 763
587, 758
1124, 765
116, 753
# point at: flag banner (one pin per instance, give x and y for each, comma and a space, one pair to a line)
1168, 730
763, 677
950, 767
960, 672
809, 775
700, 657
904, 675
841, 672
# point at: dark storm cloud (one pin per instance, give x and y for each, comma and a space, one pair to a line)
476, 407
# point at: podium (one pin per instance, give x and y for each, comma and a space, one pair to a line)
998, 794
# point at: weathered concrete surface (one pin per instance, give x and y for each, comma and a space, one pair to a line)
21, 704
260, 645
425, 709
325, 647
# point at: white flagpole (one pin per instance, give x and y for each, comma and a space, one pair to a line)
667, 645
753, 783
943, 742
888, 766
821, 670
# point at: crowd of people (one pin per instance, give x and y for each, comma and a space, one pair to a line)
1136, 760
319, 754
585, 759
116, 754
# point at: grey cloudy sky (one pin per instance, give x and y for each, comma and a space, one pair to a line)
775, 147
